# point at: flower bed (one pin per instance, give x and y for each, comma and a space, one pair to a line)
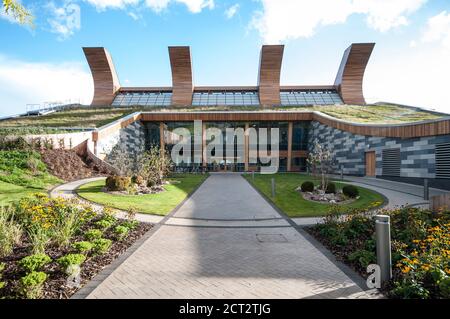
420, 248
52, 247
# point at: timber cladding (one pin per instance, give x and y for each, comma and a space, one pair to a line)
106, 82
432, 128
181, 65
349, 80
269, 74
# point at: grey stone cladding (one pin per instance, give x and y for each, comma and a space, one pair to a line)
417, 154
131, 139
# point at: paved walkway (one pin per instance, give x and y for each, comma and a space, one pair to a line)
262, 256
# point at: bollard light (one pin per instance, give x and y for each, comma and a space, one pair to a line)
383, 242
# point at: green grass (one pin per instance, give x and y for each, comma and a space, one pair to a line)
10, 193
292, 203
87, 117
18, 180
158, 204
79, 117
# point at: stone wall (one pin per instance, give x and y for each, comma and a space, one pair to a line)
417, 154
131, 139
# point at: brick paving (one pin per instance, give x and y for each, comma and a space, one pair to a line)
259, 260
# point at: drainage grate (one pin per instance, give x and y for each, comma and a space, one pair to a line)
271, 238
391, 162
443, 160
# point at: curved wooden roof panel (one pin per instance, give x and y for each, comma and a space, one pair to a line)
349, 80
106, 82
269, 74
182, 83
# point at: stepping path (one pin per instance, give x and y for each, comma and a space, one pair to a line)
226, 241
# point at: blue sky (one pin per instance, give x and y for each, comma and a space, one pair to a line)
410, 63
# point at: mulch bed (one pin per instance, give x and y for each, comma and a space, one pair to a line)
69, 166
55, 287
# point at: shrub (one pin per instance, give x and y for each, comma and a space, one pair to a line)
93, 234
104, 224
71, 260
10, 233
409, 289
31, 284
66, 229
138, 180
39, 239
121, 232
331, 188
34, 262
101, 245
363, 257
130, 224
307, 186
118, 183
350, 191
83, 247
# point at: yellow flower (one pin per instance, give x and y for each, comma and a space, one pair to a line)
426, 267
406, 269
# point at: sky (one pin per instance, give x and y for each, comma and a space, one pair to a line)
409, 65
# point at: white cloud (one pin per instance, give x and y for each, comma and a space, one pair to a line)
157, 5
194, 6
417, 77
112, 4
438, 30
231, 11
24, 83
290, 19
64, 20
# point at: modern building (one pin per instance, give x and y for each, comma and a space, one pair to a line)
410, 151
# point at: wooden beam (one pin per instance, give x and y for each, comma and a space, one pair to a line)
349, 80
269, 74
106, 82
289, 155
180, 62
246, 146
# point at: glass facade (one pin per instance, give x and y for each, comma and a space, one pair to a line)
229, 158
310, 97
300, 136
225, 98
238, 98
143, 98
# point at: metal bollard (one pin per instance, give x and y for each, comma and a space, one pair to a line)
383, 242
273, 187
253, 175
426, 190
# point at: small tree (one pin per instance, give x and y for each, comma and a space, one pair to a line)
320, 161
154, 165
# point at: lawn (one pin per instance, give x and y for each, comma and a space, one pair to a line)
292, 203
158, 204
23, 173
10, 193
